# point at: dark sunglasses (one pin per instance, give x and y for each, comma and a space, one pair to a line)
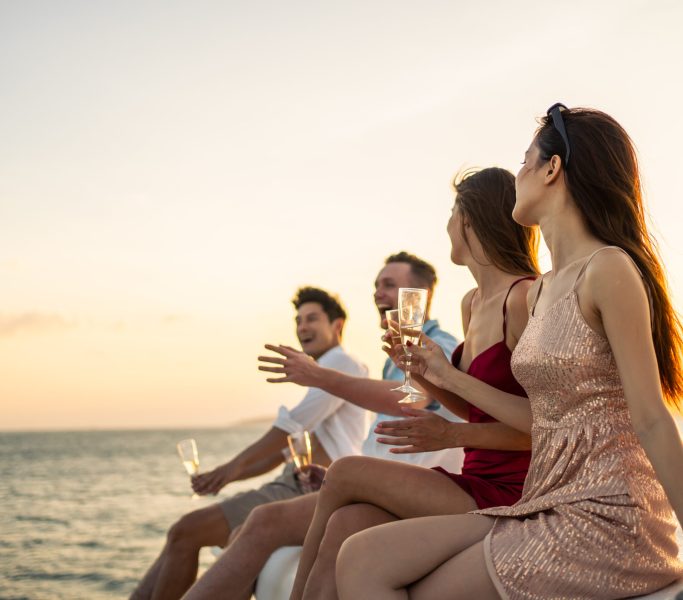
555, 112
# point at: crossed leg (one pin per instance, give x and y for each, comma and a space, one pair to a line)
430, 558
343, 523
402, 490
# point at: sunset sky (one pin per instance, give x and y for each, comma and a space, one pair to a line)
171, 172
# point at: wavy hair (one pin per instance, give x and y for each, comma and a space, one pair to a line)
486, 198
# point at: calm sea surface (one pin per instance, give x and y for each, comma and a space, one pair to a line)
82, 514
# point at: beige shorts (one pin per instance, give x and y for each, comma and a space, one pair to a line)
236, 509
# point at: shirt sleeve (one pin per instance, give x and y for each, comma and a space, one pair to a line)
317, 405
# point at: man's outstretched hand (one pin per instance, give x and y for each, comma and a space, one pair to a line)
293, 365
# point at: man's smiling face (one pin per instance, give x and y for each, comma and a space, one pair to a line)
393, 276
316, 333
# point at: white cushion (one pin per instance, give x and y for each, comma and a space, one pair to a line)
276, 579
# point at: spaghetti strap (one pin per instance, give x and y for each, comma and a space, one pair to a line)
590, 258
505, 302
633, 262
538, 294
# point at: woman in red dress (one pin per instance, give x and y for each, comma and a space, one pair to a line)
361, 492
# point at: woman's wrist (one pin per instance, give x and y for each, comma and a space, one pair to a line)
446, 379
454, 437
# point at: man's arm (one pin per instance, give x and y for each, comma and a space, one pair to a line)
260, 457
297, 367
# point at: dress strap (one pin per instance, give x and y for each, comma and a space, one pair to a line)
585, 264
647, 287
538, 294
505, 302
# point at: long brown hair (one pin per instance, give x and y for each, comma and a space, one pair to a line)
486, 198
603, 179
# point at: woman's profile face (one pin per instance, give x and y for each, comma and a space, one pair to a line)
528, 187
455, 228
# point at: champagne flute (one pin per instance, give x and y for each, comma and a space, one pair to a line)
187, 449
394, 330
412, 306
300, 448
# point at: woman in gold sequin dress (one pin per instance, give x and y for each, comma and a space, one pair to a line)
599, 359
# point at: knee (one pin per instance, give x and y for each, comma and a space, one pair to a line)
341, 472
262, 518
183, 531
268, 526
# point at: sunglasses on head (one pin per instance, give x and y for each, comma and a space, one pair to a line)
555, 113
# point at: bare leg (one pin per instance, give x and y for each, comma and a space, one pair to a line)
176, 568
145, 588
401, 489
343, 523
267, 528
424, 559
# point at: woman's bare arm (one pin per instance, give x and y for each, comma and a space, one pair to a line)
615, 289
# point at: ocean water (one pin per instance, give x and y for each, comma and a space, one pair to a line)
82, 514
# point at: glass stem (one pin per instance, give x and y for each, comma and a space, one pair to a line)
409, 380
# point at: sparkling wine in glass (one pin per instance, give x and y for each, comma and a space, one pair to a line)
187, 449
412, 306
300, 448
393, 326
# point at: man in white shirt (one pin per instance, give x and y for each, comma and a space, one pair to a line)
338, 429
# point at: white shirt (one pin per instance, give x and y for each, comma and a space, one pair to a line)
339, 425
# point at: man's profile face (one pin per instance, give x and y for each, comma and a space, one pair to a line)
393, 276
315, 331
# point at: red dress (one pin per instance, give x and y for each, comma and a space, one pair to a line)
492, 477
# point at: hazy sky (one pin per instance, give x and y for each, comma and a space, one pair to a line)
171, 172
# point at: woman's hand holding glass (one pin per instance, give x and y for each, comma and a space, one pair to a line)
429, 362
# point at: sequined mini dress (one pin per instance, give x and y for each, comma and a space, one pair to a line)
593, 520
